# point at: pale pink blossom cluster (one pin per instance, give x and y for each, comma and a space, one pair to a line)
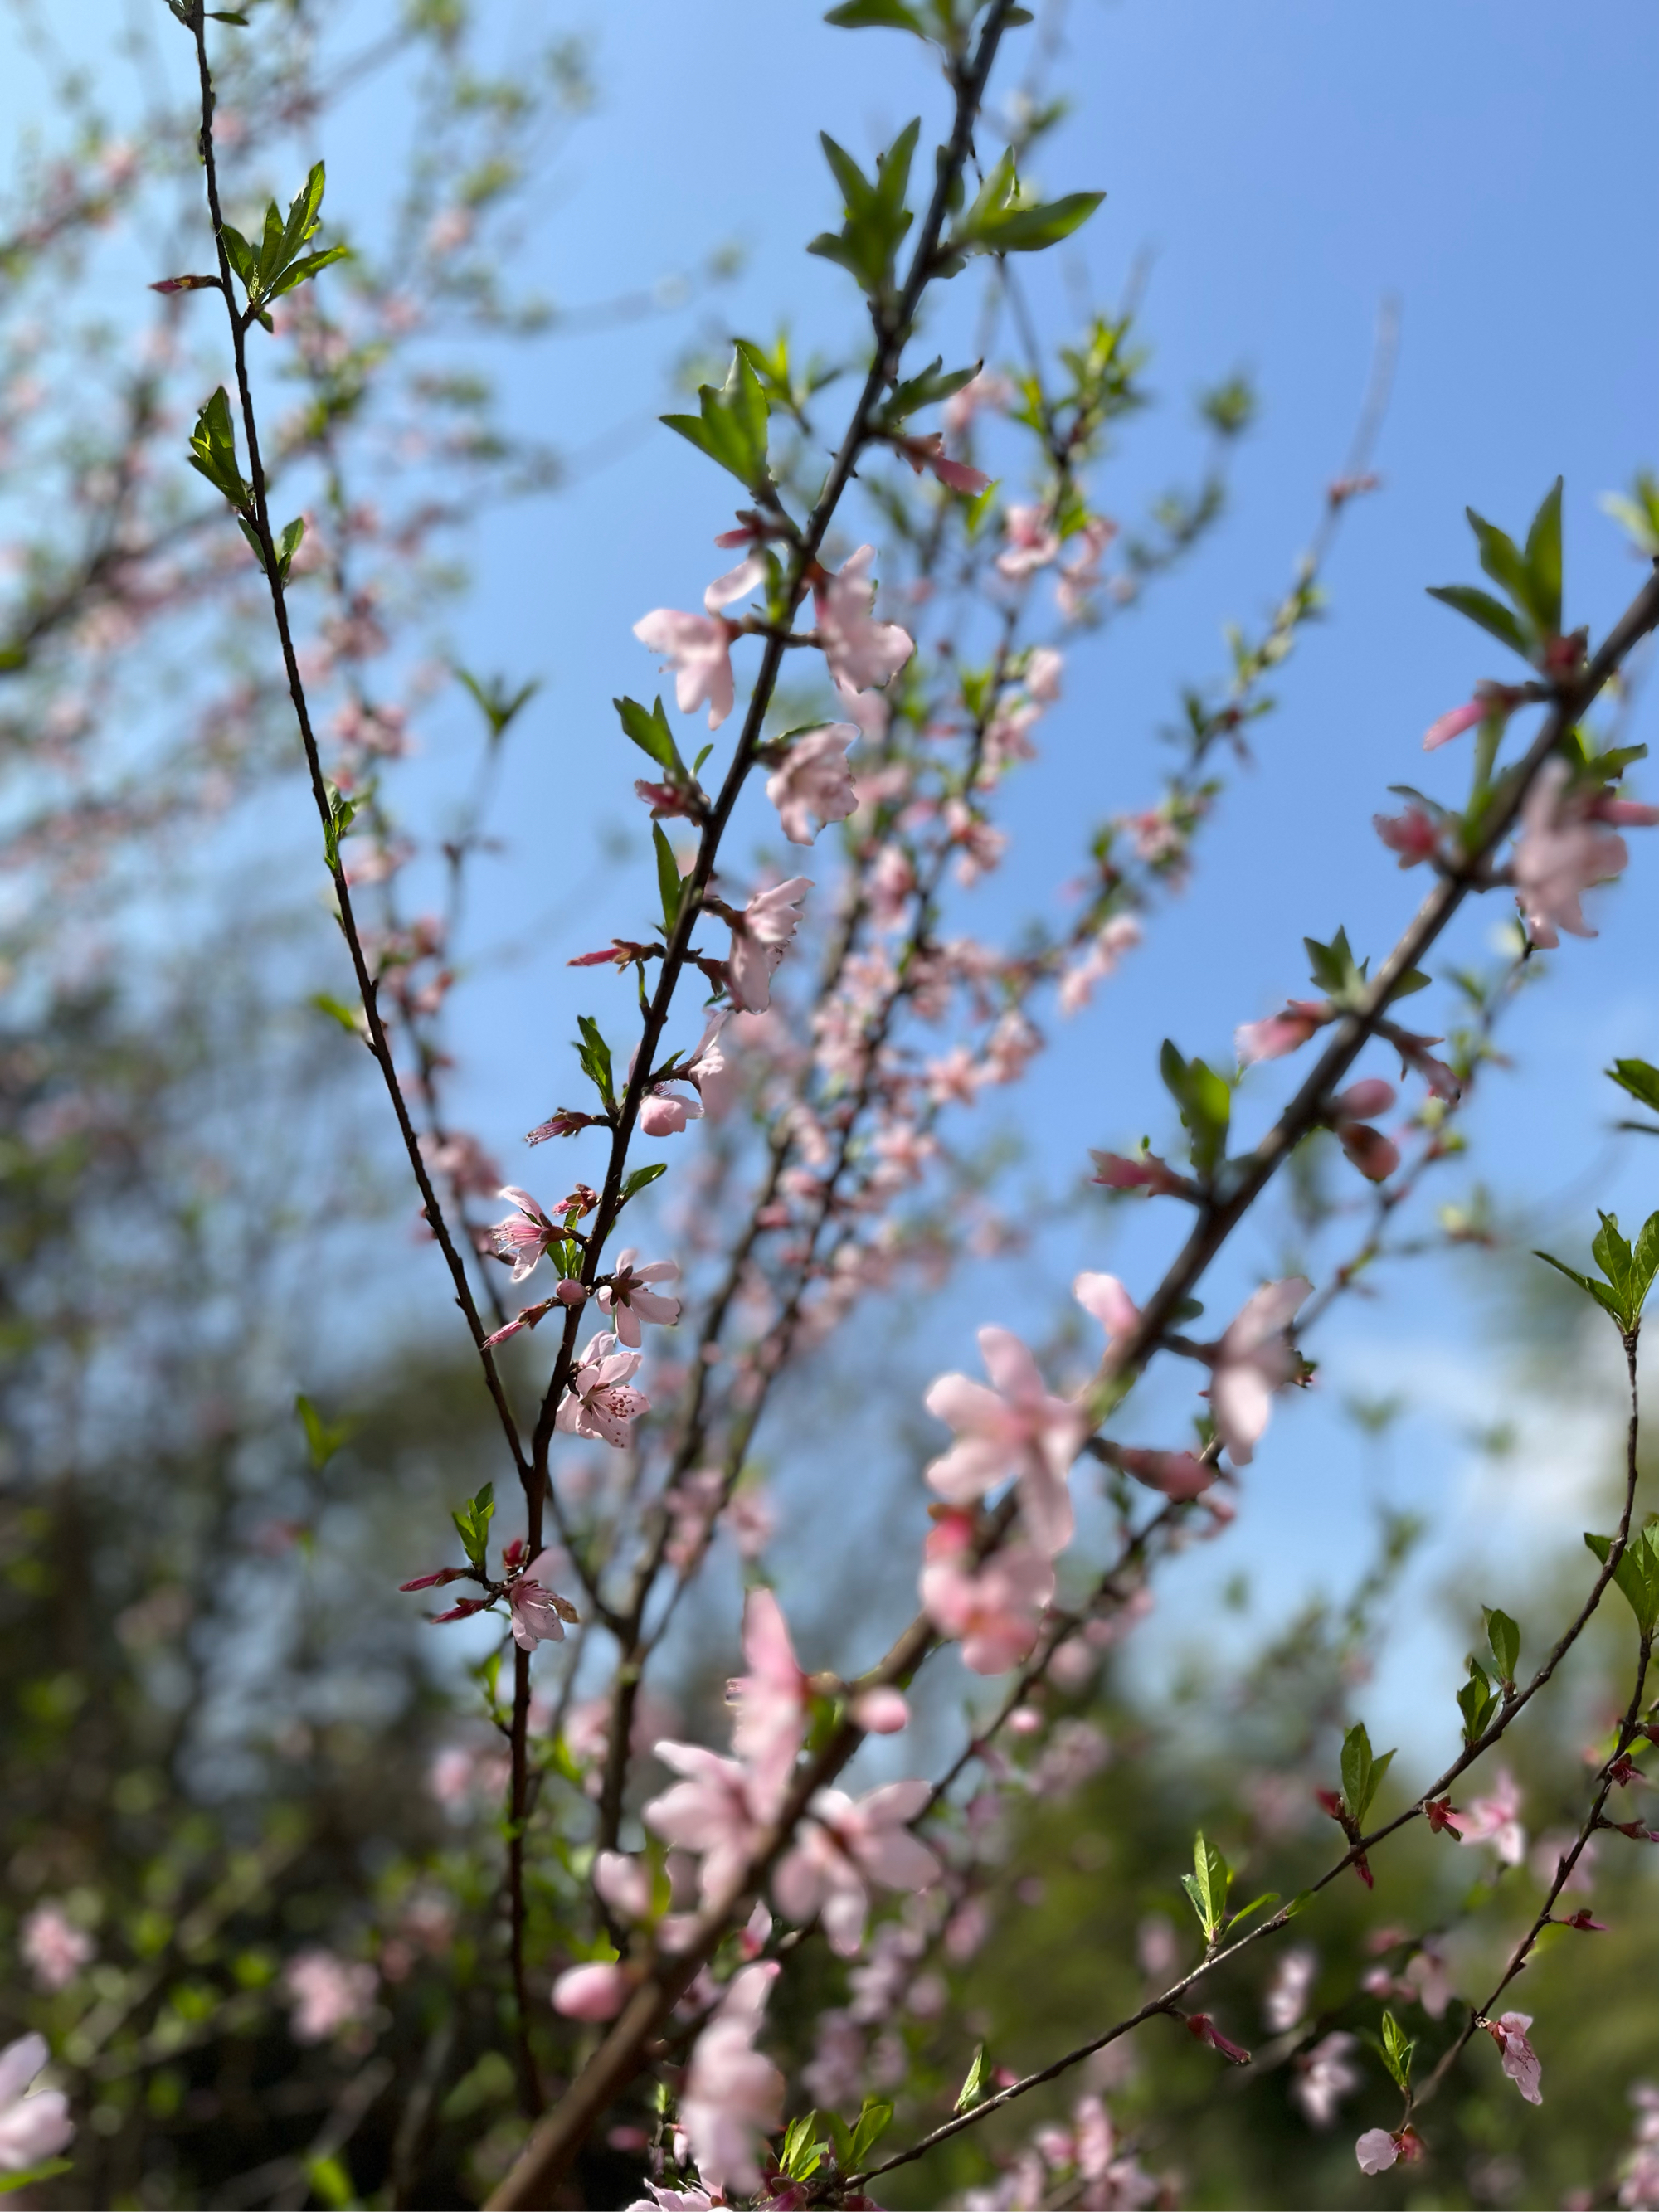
33, 2127
327, 1993
55, 1950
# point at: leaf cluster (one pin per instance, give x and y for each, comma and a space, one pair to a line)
1207, 1888
1361, 1772
1636, 1573
730, 427
1627, 1272
1001, 220
277, 263
472, 1525
1530, 576
1206, 1103
875, 217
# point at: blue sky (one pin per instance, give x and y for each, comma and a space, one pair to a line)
1282, 169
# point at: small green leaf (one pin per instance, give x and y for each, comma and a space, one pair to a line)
638, 1178
1397, 2049
329, 2181
594, 1054
1636, 1573
499, 707
1505, 1637
732, 427
1490, 614
651, 733
322, 1438
213, 452
1361, 1772
876, 16
871, 2124
472, 1525
1207, 1886
1256, 1904
21, 2177
669, 884
1543, 562
1640, 1078
802, 2153
1477, 1701
351, 1018
974, 2088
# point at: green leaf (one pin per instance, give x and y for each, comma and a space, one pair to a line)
651, 733
1636, 1573
1543, 562
803, 2152
1361, 1772
329, 2181
472, 1525
1397, 2049
1333, 967
974, 2088
668, 879
732, 427
876, 216
1207, 1886
1501, 558
637, 1180
1477, 1701
934, 383
875, 2116
1490, 613
1505, 1637
1603, 1295
1640, 1078
499, 707
876, 16
351, 1018
997, 222
322, 1438
298, 272
1256, 1904
1206, 1103
213, 452
21, 2177
594, 1054
342, 813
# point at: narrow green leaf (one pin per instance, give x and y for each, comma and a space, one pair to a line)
1397, 2049
638, 1178
1490, 613
874, 2117
651, 733
876, 16
974, 2088
1543, 562
1505, 1637
1640, 1078
322, 1438
668, 879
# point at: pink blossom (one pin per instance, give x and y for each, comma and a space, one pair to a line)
731, 2094
1560, 856
1287, 1993
698, 648
1180, 1475
599, 1402
1375, 1156
673, 2200
713, 1812
1142, 1172
862, 653
709, 1068
1033, 542
623, 1884
891, 881
525, 1235
814, 778
847, 1847
1280, 1033
1445, 727
758, 944
540, 1614
328, 1993
993, 1609
1364, 1100
1495, 1819
1252, 1361
1414, 1053
769, 1701
1376, 2150
1323, 2077
54, 1949
928, 453
881, 1712
665, 1112
1105, 1298
1519, 2060
1080, 574
1121, 935
597, 1991
1013, 1428
1043, 670
626, 1297
1411, 833
988, 389
32, 2129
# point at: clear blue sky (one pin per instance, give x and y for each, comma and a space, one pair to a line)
1489, 164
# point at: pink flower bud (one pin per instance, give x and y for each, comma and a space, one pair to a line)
1372, 1153
1178, 1475
597, 1991
1453, 725
1365, 1100
1413, 834
433, 1582
569, 1292
881, 1712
